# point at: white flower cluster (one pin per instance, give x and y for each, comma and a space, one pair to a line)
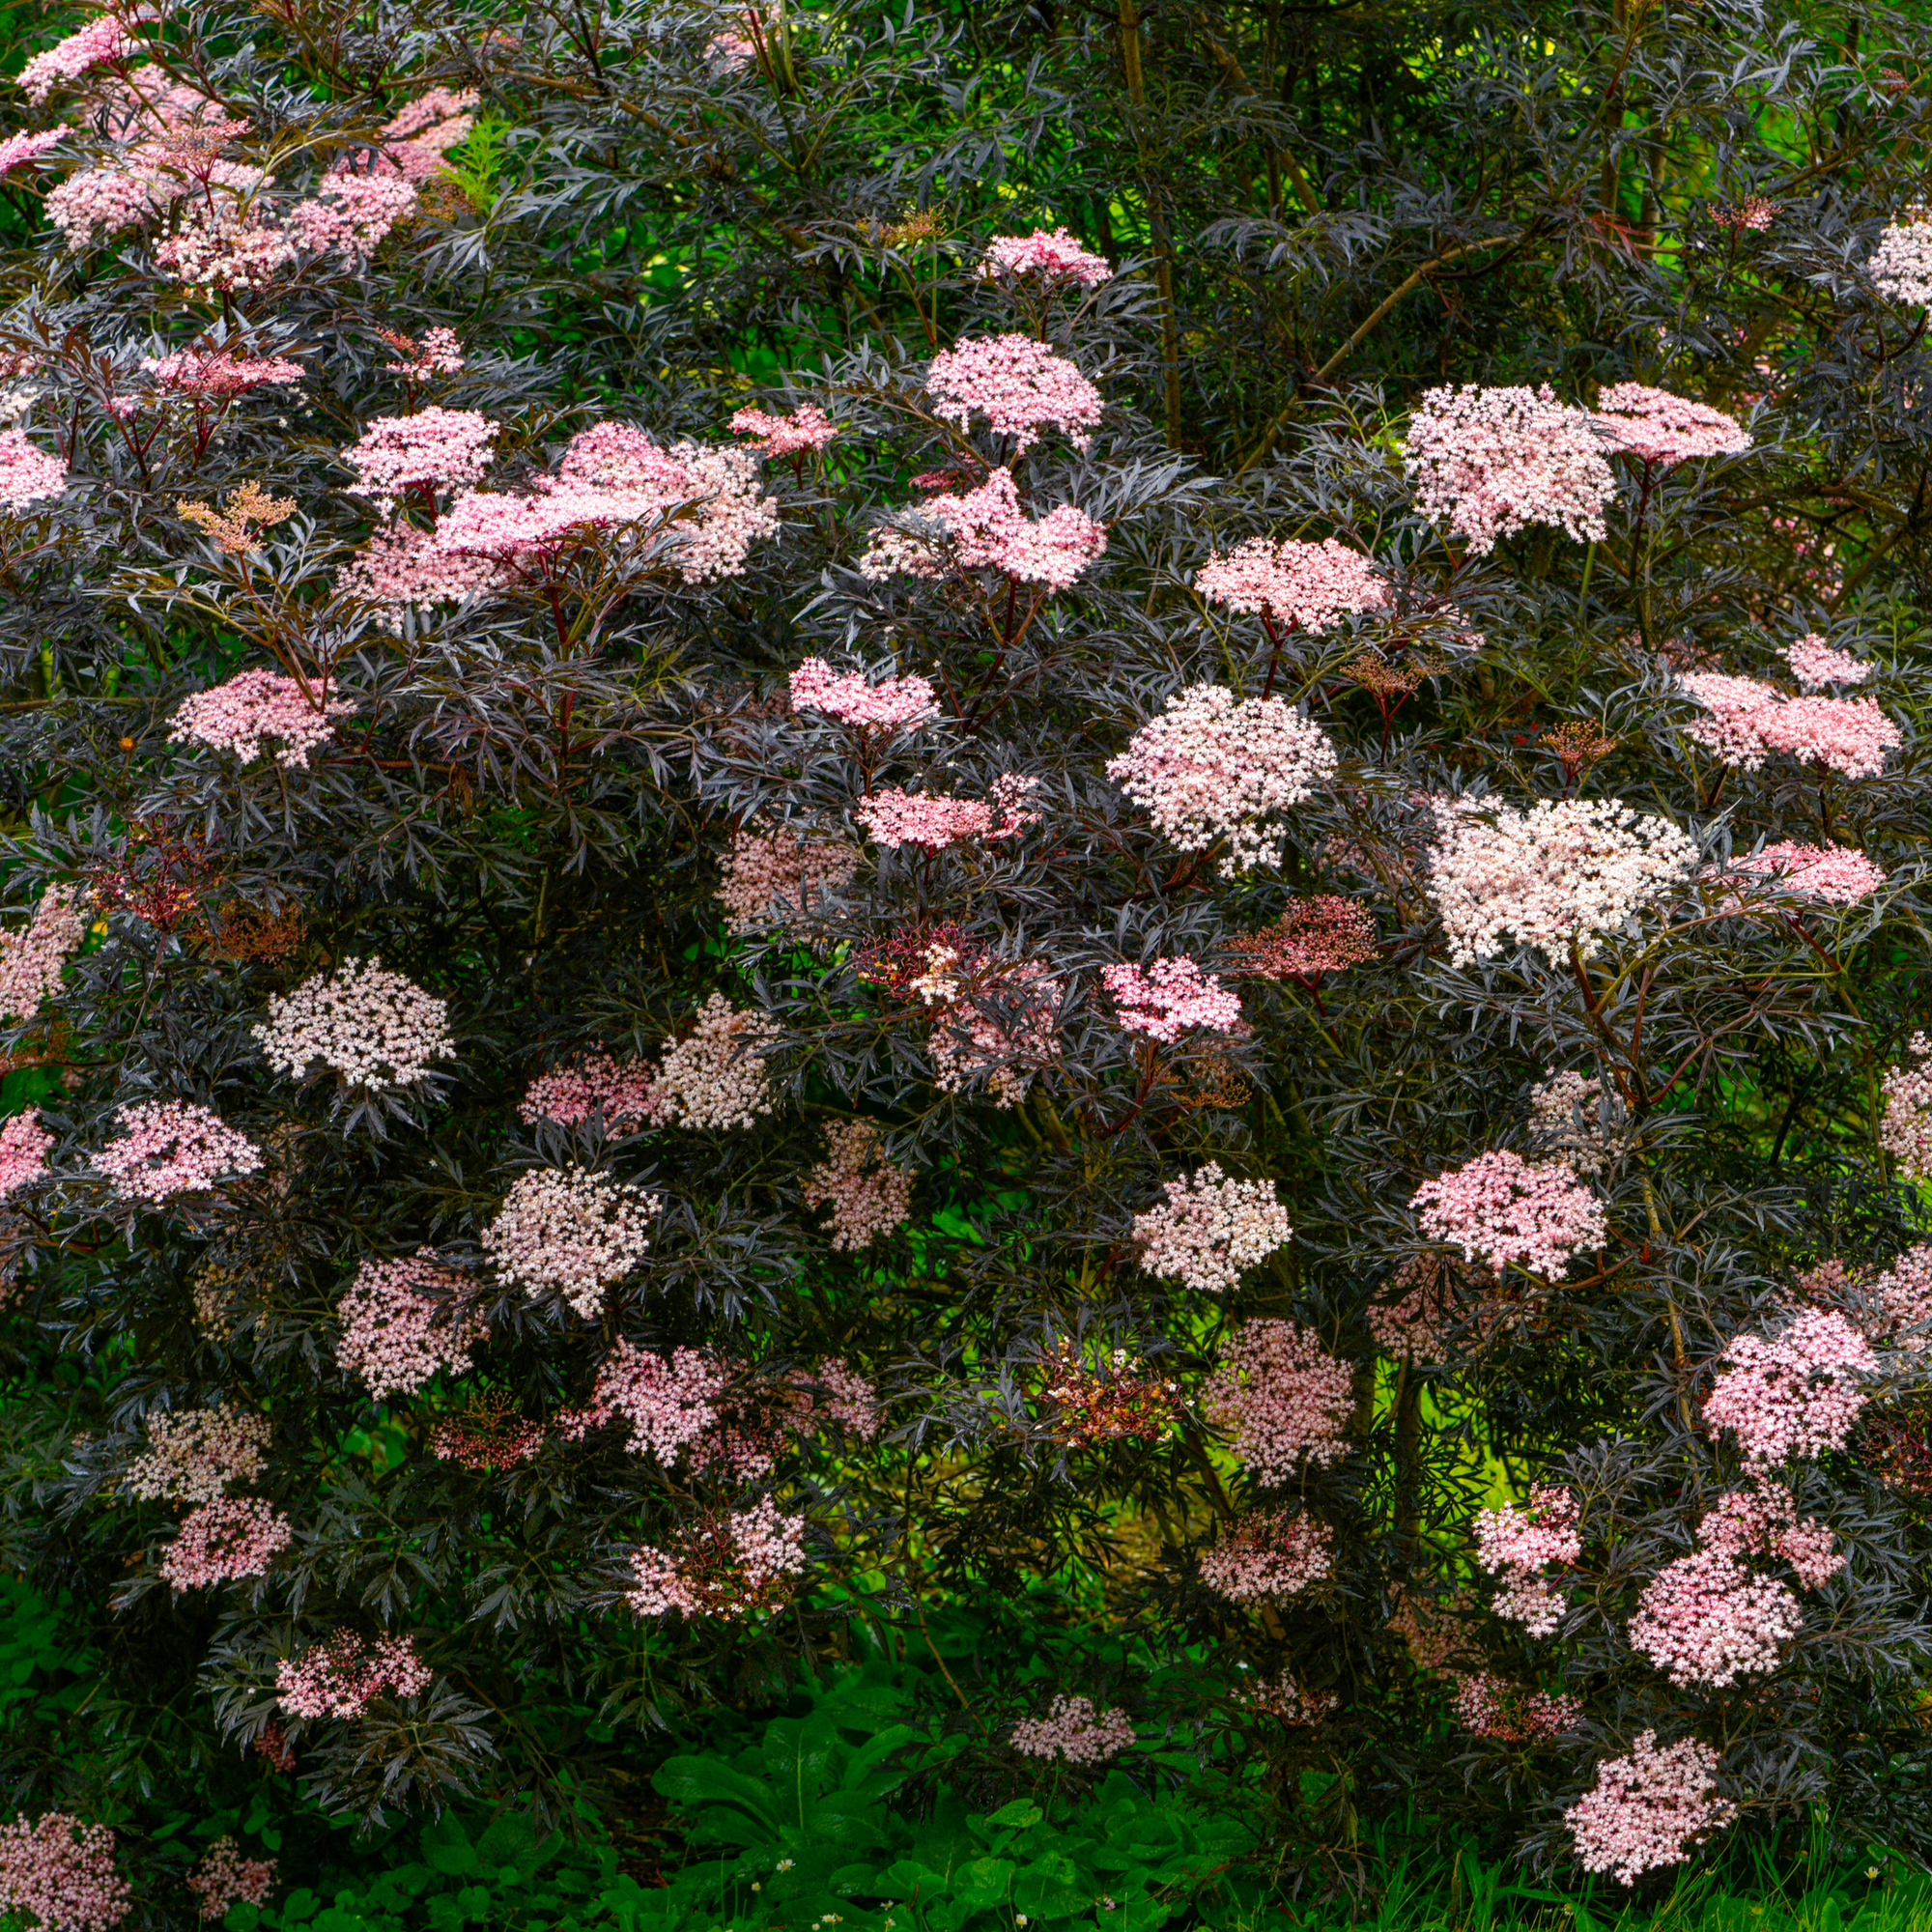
1563, 873
568, 1232
1564, 1119
374, 1028
197, 1453
716, 1077
1901, 265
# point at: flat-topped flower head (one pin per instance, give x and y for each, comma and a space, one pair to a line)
1019, 385
343, 1674
221, 1879
1308, 584
215, 375
1815, 663
28, 474
1170, 998
256, 707
1211, 1227
372, 1028
1052, 257
1658, 427
669, 1401
1828, 873
1074, 1732
808, 428
895, 817
894, 704
1281, 1399
32, 957
1505, 1211
23, 1150
194, 1454
404, 1320
1489, 463
1901, 265
1649, 1810
423, 455
1313, 938
776, 874
716, 1077
622, 1091
571, 1232
1705, 1620
109, 38
1795, 1395
1488, 1706
351, 213
58, 1874
1521, 1544
984, 528
224, 1540
1269, 1554
1905, 1127
1216, 768
167, 1148
869, 1195
728, 1567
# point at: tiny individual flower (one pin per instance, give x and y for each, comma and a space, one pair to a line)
172, 1146
1505, 1211
1210, 1229
255, 706
58, 1872
343, 1675
222, 1878
1281, 1399
1018, 385
1074, 1732
571, 1232
223, 1540
1648, 1809
1170, 998
372, 1028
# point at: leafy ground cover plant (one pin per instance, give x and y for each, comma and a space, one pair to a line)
666, 1017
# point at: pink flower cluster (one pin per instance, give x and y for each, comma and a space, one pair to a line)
869, 1196
1283, 1698
773, 873
1648, 1809
1661, 427
60, 1873
806, 428
1004, 1028
1074, 1732
1905, 1127
350, 214
896, 818
1210, 1229
28, 474
1053, 257
1815, 663
986, 529
899, 705
1280, 1399
195, 1455
1214, 767
1565, 873
1493, 461
18, 150
1310, 585
23, 1150
570, 1233
1018, 385
1416, 1326
1903, 1293
1269, 1554
171, 1147
31, 960
1519, 1544
622, 1091
668, 1403
404, 1320
715, 1078
106, 39
419, 455
225, 1539
213, 375
1749, 719
1171, 997
437, 353
487, 1436
1829, 872
1491, 1707
1901, 265
260, 704
1796, 1395
372, 1028
343, 1675
222, 1878
850, 1400
1564, 1121
1313, 937
1762, 1521
1706, 1620
1503, 1211
725, 1570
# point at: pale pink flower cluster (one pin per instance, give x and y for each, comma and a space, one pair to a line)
222, 244
1762, 1521
105, 200
1493, 461
18, 150
31, 960
571, 1232
404, 567
1214, 766
869, 1195
1018, 385
351, 214
668, 1403
1054, 257
1269, 1554
429, 451
404, 1320
1170, 998
227, 1538
1815, 663
1310, 585
438, 353
1074, 1732
215, 375
222, 1878
969, 1040
1707, 1621
28, 474
1829, 872
23, 1150
343, 1674
1796, 1395
195, 1455
1901, 265
1661, 427
850, 1401
1313, 936
1416, 1326
172, 1146
1491, 1707
716, 1076
1283, 1698
895, 817
806, 428
1748, 719
427, 129
60, 1873
1564, 873
1905, 1127
373, 1028
1210, 1229
107, 38
1519, 1544
595, 1083
730, 52
773, 873
1648, 1809
1564, 1121
1903, 1293
899, 705
986, 529
1503, 1211
256, 705
761, 1548
1281, 1399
